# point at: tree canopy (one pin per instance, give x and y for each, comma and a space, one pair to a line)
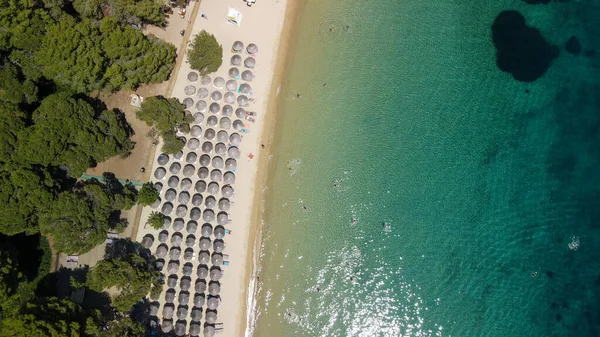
166, 115
80, 219
156, 220
205, 54
147, 194
133, 276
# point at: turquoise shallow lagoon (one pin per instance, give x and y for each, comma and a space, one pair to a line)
404, 119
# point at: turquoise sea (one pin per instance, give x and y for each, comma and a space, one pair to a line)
404, 118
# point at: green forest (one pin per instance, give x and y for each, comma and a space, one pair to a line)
55, 57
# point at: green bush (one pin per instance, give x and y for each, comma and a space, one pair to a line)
156, 220
205, 54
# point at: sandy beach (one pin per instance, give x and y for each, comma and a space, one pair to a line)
262, 25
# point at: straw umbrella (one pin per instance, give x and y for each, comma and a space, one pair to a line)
188, 102
204, 243
163, 159
225, 123
245, 89
184, 197
190, 241
160, 173
238, 125
218, 246
161, 252
230, 164
214, 288
224, 204
195, 213
200, 185
235, 139
198, 118
173, 181
179, 328
250, 62
202, 172
167, 208
172, 281
170, 194
216, 175
211, 316
214, 108
217, 259
163, 236
227, 110
158, 186
208, 215
210, 202
191, 157
185, 285
201, 105
182, 313
205, 80
202, 93
203, 258
172, 267
222, 136
178, 224
197, 199
168, 312
212, 121
206, 230
240, 113
186, 184
220, 149
176, 239
247, 76
242, 100
236, 60
187, 269
227, 191
193, 144
213, 302
215, 275
252, 49
209, 134
191, 227
209, 331
188, 254
216, 96
178, 155
192, 76
219, 232
219, 82
231, 85
174, 168
234, 72
170, 296
233, 152
195, 131
207, 147
204, 159
195, 329
202, 273
237, 47
222, 218
199, 300
196, 315
189, 170
189, 90
175, 253
217, 162
229, 178
166, 222
212, 188
159, 264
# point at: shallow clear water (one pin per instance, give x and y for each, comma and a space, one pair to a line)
405, 119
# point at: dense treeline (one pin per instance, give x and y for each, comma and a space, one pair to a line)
53, 53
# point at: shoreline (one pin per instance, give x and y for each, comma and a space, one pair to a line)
266, 25
284, 51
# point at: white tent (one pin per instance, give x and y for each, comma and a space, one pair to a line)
234, 16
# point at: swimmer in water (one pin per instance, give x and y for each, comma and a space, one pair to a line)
534, 274
336, 185
353, 221
304, 207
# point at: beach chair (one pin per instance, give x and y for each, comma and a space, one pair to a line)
227, 231
225, 263
246, 131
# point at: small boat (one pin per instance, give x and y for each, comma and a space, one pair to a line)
574, 244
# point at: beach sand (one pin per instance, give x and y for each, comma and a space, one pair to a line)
261, 24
